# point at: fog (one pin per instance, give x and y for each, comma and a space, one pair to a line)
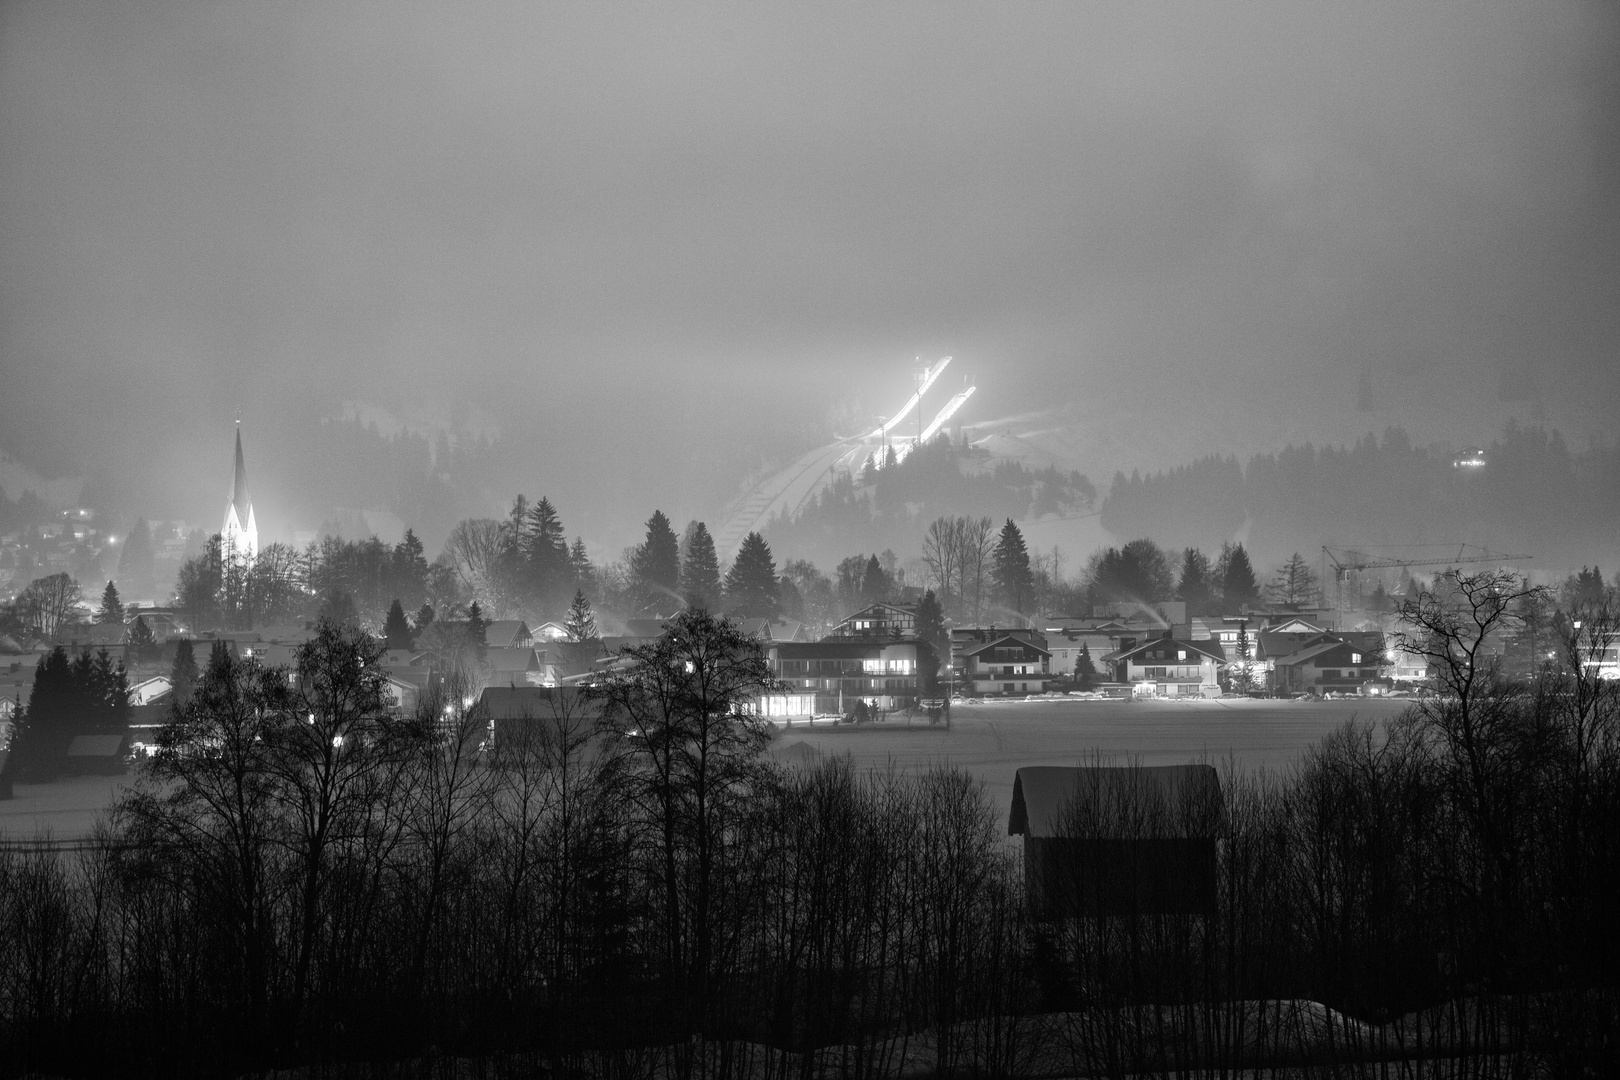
654, 249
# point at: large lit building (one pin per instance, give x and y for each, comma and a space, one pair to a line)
239, 536
829, 676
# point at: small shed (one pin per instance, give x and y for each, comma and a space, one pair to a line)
97, 755
1130, 840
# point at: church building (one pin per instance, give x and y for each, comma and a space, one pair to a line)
239, 537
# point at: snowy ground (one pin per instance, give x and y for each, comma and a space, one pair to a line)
63, 809
996, 738
992, 739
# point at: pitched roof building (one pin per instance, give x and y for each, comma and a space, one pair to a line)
1117, 840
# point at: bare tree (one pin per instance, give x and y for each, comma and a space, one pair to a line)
49, 603
941, 553
977, 538
477, 548
335, 757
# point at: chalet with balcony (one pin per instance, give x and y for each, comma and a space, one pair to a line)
1008, 664
880, 622
1332, 665
1168, 666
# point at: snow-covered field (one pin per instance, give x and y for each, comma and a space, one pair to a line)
992, 739
995, 738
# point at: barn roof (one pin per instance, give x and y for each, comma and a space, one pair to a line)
96, 746
1045, 796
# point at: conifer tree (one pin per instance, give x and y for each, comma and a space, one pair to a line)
700, 568
183, 673
1085, 672
112, 609
1236, 576
751, 581
875, 583
409, 570
931, 625
477, 629
583, 639
1015, 580
143, 644
397, 629
550, 570
580, 563
1196, 587
135, 561
655, 568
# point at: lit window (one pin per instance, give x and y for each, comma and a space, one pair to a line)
1355, 658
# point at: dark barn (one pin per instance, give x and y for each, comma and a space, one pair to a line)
1132, 840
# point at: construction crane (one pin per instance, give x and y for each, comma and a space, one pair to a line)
1347, 561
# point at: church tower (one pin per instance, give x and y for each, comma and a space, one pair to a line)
239, 537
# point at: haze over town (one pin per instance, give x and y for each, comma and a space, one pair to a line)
738, 541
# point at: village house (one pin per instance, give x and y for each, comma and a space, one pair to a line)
1008, 664
829, 676
508, 634
881, 621
777, 629
1329, 665
1169, 667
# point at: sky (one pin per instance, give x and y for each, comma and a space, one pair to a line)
625, 236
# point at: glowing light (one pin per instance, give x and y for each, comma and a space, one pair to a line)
928, 380
939, 421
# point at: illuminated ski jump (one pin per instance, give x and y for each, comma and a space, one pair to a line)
939, 421
929, 375
787, 492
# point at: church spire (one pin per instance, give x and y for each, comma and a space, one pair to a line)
240, 533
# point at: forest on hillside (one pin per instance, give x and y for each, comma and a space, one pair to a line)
890, 507
1534, 496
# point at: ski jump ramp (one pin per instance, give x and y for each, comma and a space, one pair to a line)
788, 491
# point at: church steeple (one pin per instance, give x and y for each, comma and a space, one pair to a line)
240, 533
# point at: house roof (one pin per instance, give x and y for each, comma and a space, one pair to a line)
643, 628
94, 634
1321, 648
1022, 642
1054, 800
1271, 643
1295, 625
96, 746
773, 629
506, 632
1177, 643
525, 702
518, 659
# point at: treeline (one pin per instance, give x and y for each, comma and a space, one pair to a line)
345, 580
86, 694
886, 507
626, 885
1534, 495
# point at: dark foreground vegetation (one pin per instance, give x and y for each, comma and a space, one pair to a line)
627, 887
